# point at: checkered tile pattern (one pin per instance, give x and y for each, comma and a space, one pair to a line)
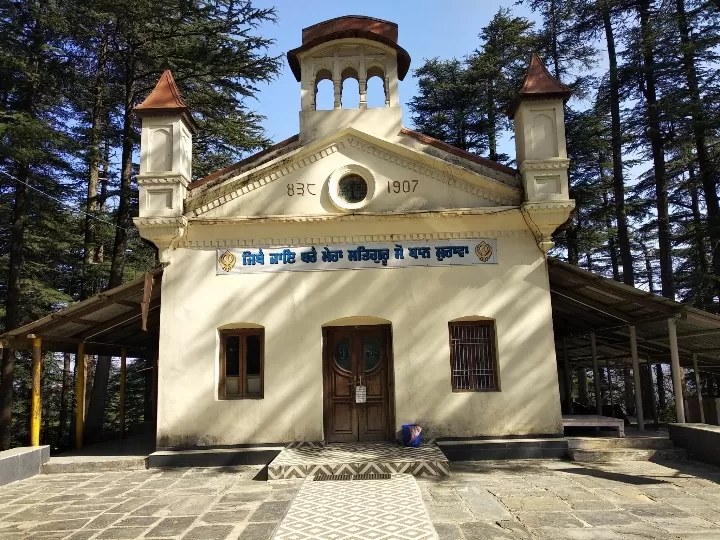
358, 458
358, 510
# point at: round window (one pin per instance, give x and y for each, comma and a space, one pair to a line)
352, 188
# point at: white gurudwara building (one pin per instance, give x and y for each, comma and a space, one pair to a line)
359, 275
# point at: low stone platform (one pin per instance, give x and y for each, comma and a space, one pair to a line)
359, 458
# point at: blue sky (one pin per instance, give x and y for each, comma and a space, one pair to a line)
427, 28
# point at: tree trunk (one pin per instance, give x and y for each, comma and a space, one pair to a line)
649, 270
699, 127
12, 305
64, 390
660, 376
582, 387
117, 265
492, 122
658, 153
703, 294
612, 248
623, 235
98, 397
91, 206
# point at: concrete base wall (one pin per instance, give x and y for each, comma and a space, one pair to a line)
20, 463
701, 441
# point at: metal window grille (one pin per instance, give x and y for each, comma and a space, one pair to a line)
472, 356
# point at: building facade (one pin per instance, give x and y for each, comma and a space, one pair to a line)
360, 275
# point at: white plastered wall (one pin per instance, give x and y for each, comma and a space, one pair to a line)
293, 306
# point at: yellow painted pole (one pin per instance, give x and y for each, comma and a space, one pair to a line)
79, 394
35, 396
123, 376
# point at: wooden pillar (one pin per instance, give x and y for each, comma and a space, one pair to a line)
567, 376
123, 377
35, 400
699, 388
610, 387
596, 374
636, 379
79, 395
652, 394
676, 373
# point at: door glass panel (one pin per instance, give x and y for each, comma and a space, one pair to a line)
232, 356
342, 354
371, 353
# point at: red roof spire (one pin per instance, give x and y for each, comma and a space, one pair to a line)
165, 99
539, 84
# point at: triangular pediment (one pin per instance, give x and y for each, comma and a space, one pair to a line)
401, 180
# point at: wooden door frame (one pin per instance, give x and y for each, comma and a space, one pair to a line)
387, 328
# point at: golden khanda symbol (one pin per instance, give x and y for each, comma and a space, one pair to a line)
483, 251
227, 261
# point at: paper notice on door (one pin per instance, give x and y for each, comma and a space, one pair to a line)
360, 394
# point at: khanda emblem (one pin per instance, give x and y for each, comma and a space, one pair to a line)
483, 251
227, 261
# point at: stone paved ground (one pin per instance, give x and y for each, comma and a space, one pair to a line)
559, 499
484, 500
192, 504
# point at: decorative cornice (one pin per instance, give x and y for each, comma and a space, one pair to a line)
544, 164
175, 221
359, 216
148, 180
490, 189
250, 182
315, 240
543, 218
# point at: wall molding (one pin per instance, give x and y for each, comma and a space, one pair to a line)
315, 240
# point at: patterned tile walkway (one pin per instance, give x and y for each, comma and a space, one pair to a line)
358, 458
358, 510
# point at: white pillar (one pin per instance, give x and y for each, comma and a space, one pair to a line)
675, 365
699, 388
636, 379
596, 374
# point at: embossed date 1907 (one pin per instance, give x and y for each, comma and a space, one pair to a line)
406, 186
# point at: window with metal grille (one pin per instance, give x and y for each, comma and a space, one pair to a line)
472, 356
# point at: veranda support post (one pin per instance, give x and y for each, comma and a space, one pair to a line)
123, 377
699, 388
675, 365
567, 376
636, 378
79, 395
35, 399
596, 374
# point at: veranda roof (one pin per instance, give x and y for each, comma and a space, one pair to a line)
584, 302
106, 322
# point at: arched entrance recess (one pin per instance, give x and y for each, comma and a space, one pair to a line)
357, 360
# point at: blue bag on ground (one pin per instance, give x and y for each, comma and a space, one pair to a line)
411, 435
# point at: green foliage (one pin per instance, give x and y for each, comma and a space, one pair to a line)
70, 74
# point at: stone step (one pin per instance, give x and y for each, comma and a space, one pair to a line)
613, 443
358, 459
64, 465
626, 454
214, 457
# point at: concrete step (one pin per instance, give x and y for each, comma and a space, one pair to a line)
616, 443
88, 464
626, 454
214, 457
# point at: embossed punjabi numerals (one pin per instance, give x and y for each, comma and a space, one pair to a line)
299, 189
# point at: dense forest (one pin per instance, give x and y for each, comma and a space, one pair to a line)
642, 131
71, 72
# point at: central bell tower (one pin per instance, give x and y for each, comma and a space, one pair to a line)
351, 47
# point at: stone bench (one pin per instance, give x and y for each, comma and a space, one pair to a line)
23, 462
597, 421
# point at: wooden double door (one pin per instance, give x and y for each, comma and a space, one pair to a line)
357, 356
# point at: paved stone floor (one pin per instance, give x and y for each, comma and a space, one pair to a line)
483, 500
561, 499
